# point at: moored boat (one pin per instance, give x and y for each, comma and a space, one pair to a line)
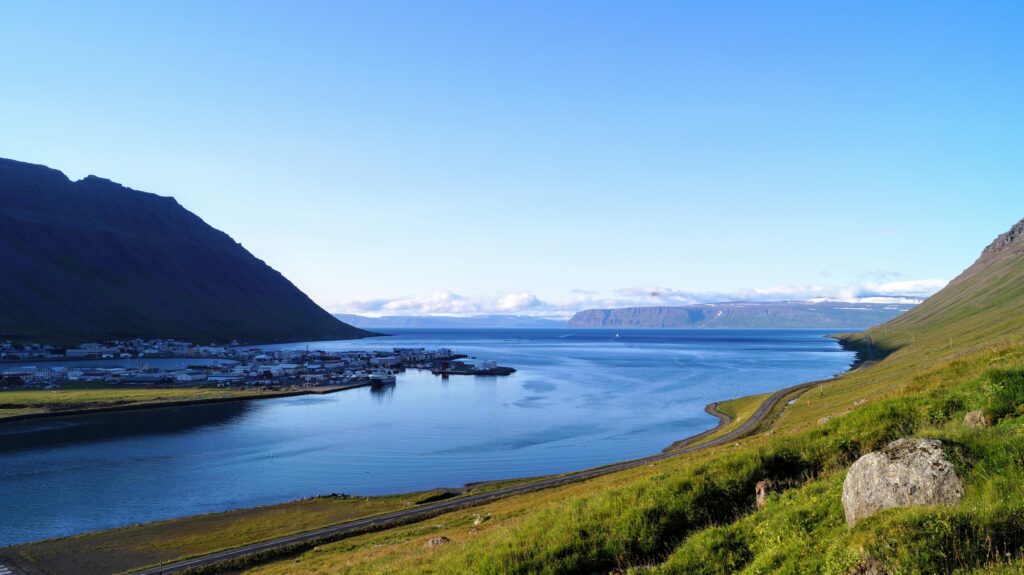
382, 377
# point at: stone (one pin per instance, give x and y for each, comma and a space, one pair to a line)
906, 472
437, 541
867, 567
977, 418
766, 487
825, 420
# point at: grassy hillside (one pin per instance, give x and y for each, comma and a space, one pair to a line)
961, 350
696, 514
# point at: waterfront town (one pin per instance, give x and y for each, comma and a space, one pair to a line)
172, 363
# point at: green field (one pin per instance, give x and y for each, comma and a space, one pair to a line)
92, 396
961, 350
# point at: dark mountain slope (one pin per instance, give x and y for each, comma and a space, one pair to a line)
92, 259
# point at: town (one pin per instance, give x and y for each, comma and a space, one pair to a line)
172, 363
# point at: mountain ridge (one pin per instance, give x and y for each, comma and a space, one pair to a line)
823, 315
487, 321
92, 259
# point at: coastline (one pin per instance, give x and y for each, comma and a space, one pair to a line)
246, 556
178, 403
257, 551
458, 498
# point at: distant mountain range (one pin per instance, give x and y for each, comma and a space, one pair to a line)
95, 260
825, 315
425, 322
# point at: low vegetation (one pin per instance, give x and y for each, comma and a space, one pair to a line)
696, 515
90, 397
961, 351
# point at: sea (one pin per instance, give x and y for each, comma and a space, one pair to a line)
579, 398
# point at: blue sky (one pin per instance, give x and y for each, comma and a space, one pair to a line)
539, 157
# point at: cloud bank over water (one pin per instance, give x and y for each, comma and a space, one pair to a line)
527, 303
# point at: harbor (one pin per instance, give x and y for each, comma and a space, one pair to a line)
169, 363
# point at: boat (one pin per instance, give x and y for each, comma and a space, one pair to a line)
382, 377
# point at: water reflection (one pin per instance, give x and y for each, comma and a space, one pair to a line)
84, 429
576, 402
383, 393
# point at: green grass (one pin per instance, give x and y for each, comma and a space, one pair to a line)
739, 410
962, 350
696, 515
90, 396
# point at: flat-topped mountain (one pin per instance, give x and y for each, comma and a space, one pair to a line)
95, 260
824, 315
492, 321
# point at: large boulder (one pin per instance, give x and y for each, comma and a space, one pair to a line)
906, 472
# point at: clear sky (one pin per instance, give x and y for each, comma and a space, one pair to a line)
537, 157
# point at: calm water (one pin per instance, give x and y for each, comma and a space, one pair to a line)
581, 398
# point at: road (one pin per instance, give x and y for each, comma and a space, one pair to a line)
429, 510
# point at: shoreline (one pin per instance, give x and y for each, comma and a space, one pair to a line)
178, 403
295, 543
298, 542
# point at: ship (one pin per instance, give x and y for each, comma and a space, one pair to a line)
382, 377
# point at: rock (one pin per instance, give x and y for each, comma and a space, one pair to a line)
867, 567
859, 402
824, 420
906, 472
436, 541
977, 418
766, 487
477, 520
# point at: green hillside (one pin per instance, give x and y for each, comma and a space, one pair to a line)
963, 349
980, 308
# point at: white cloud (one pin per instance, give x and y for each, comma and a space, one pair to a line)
527, 303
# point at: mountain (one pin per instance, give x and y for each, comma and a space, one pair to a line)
824, 315
980, 307
95, 260
473, 322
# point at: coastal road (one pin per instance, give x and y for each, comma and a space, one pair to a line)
429, 510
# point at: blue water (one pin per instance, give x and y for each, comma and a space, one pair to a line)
581, 398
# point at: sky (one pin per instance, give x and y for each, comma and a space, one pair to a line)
543, 157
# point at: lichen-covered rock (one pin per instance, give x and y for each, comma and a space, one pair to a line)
977, 418
437, 541
906, 472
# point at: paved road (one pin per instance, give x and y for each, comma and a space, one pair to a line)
422, 512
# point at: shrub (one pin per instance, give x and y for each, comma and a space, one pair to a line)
1006, 390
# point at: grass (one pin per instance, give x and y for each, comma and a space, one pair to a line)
962, 350
696, 514
34, 401
738, 410
137, 546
